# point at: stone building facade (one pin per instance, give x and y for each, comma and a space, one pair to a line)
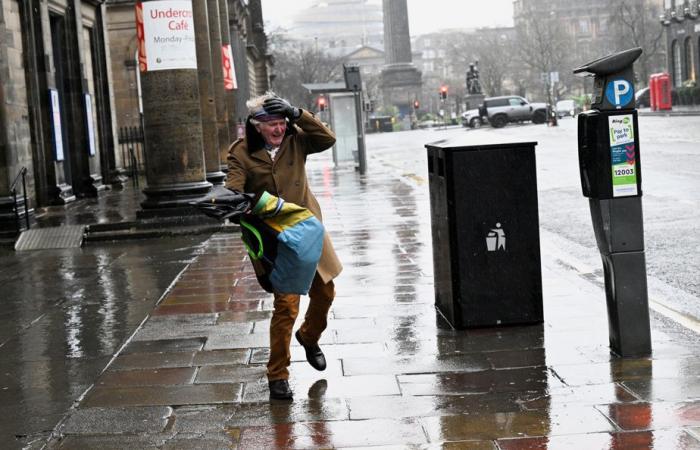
681, 19
253, 62
56, 114
248, 44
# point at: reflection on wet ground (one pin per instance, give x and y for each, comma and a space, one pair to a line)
65, 313
193, 376
110, 206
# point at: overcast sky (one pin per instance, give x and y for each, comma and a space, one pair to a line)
424, 16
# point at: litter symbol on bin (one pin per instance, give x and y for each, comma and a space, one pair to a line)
496, 239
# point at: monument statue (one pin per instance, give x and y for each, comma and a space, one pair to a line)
473, 82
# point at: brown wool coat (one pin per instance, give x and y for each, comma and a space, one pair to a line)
252, 170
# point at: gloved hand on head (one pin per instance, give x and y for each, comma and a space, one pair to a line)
276, 105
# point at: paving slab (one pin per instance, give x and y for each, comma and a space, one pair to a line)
312, 409
149, 377
149, 419
333, 434
201, 419
201, 394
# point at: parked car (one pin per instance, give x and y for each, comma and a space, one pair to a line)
472, 119
641, 97
499, 111
427, 123
566, 108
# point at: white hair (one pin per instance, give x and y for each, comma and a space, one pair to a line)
255, 105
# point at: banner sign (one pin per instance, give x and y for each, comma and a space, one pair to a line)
56, 123
623, 155
90, 124
165, 31
229, 71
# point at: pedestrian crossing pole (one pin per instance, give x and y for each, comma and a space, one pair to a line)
353, 82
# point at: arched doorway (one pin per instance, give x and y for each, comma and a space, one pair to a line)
688, 60
677, 66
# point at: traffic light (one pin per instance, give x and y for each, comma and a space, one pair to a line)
322, 103
443, 92
416, 104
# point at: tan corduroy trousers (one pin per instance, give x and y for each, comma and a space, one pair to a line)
286, 309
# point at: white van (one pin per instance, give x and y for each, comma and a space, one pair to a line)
566, 108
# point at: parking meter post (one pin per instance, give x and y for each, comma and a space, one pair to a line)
609, 163
360, 133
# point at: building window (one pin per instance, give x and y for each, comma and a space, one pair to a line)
583, 27
677, 66
689, 73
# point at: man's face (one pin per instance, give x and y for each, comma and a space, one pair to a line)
273, 131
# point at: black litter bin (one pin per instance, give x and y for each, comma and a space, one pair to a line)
486, 245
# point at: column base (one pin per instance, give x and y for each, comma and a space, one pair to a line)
118, 179
94, 185
177, 195
61, 194
216, 178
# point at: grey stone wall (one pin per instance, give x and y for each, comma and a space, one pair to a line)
15, 148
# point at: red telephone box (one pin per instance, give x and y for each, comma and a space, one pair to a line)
654, 92
664, 92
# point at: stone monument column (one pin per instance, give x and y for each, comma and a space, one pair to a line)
400, 80
175, 170
210, 138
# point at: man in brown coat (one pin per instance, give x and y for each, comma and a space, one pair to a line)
272, 158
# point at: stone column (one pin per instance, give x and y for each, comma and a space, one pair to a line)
400, 80
175, 170
218, 77
260, 42
229, 94
85, 167
210, 138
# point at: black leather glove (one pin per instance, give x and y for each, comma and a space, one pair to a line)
281, 106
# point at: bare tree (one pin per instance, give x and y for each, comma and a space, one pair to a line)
495, 52
492, 50
297, 63
635, 24
543, 46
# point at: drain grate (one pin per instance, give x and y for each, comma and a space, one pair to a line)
66, 236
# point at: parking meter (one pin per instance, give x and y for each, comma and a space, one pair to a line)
609, 163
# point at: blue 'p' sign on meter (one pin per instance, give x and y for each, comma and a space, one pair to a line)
619, 92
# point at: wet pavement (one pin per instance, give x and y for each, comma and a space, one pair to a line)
111, 206
65, 313
193, 374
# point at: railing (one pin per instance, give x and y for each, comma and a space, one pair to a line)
131, 143
13, 190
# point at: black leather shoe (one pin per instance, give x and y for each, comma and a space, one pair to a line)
314, 355
279, 390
